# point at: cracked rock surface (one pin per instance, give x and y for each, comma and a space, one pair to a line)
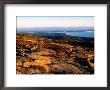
38, 55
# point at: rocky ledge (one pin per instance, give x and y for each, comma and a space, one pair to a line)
37, 55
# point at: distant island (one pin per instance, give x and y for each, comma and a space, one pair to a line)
56, 29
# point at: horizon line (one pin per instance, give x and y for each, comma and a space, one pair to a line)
56, 27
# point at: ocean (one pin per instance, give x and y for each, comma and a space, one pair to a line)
81, 33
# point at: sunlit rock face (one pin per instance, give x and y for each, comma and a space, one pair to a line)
38, 55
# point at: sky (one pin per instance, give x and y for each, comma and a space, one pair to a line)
54, 21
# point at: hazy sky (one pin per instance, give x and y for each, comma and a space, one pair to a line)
65, 21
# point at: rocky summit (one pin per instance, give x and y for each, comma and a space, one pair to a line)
39, 55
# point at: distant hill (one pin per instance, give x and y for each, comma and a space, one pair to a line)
56, 29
